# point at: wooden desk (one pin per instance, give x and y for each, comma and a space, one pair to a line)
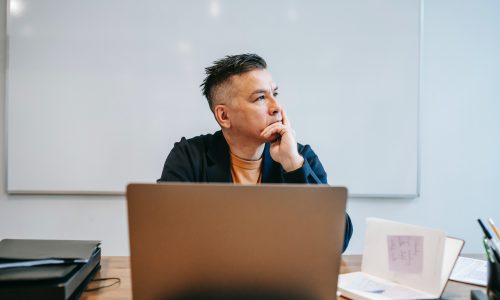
112, 266
119, 266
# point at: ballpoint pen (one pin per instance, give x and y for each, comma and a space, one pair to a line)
489, 242
494, 227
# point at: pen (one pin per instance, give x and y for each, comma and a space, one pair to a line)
494, 227
486, 232
489, 241
489, 254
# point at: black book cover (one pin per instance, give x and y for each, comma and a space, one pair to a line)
33, 250
48, 281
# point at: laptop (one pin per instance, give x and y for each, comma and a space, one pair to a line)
225, 241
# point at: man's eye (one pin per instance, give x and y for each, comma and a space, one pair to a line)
260, 98
275, 94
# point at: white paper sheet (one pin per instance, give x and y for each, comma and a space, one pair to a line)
375, 288
470, 270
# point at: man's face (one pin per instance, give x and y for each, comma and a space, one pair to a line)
253, 105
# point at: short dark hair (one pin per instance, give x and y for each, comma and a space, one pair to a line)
226, 67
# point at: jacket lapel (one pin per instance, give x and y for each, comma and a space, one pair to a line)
271, 170
218, 165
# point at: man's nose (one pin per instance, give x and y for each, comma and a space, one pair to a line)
274, 106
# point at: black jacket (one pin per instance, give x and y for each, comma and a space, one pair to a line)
206, 158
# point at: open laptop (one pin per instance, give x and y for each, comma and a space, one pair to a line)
227, 241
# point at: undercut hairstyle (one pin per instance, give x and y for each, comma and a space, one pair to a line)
223, 69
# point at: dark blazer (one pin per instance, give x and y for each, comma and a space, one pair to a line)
206, 158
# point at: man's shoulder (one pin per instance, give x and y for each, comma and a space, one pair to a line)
200, 142
199, 139
307, 152
304, 148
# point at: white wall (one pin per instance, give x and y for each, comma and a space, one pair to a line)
460, 125
459, 140
57, 217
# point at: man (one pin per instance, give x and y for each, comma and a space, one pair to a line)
256, 143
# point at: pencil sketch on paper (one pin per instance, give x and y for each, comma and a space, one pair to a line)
405, 253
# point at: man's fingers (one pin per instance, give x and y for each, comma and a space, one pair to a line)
271, 129
284, 117
286, 122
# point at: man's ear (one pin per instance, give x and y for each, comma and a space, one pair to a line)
221, 113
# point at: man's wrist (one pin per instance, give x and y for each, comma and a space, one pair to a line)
295, 164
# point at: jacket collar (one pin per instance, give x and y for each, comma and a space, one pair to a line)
219, 165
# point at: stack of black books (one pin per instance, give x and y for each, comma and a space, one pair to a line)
47, 269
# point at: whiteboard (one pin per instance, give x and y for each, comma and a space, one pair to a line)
99, 91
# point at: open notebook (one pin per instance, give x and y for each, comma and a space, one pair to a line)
402, 261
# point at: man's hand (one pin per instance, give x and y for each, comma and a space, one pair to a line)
284, 146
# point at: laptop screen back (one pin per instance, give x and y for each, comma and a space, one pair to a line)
191, 239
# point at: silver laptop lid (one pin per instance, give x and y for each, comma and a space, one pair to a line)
187, 238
